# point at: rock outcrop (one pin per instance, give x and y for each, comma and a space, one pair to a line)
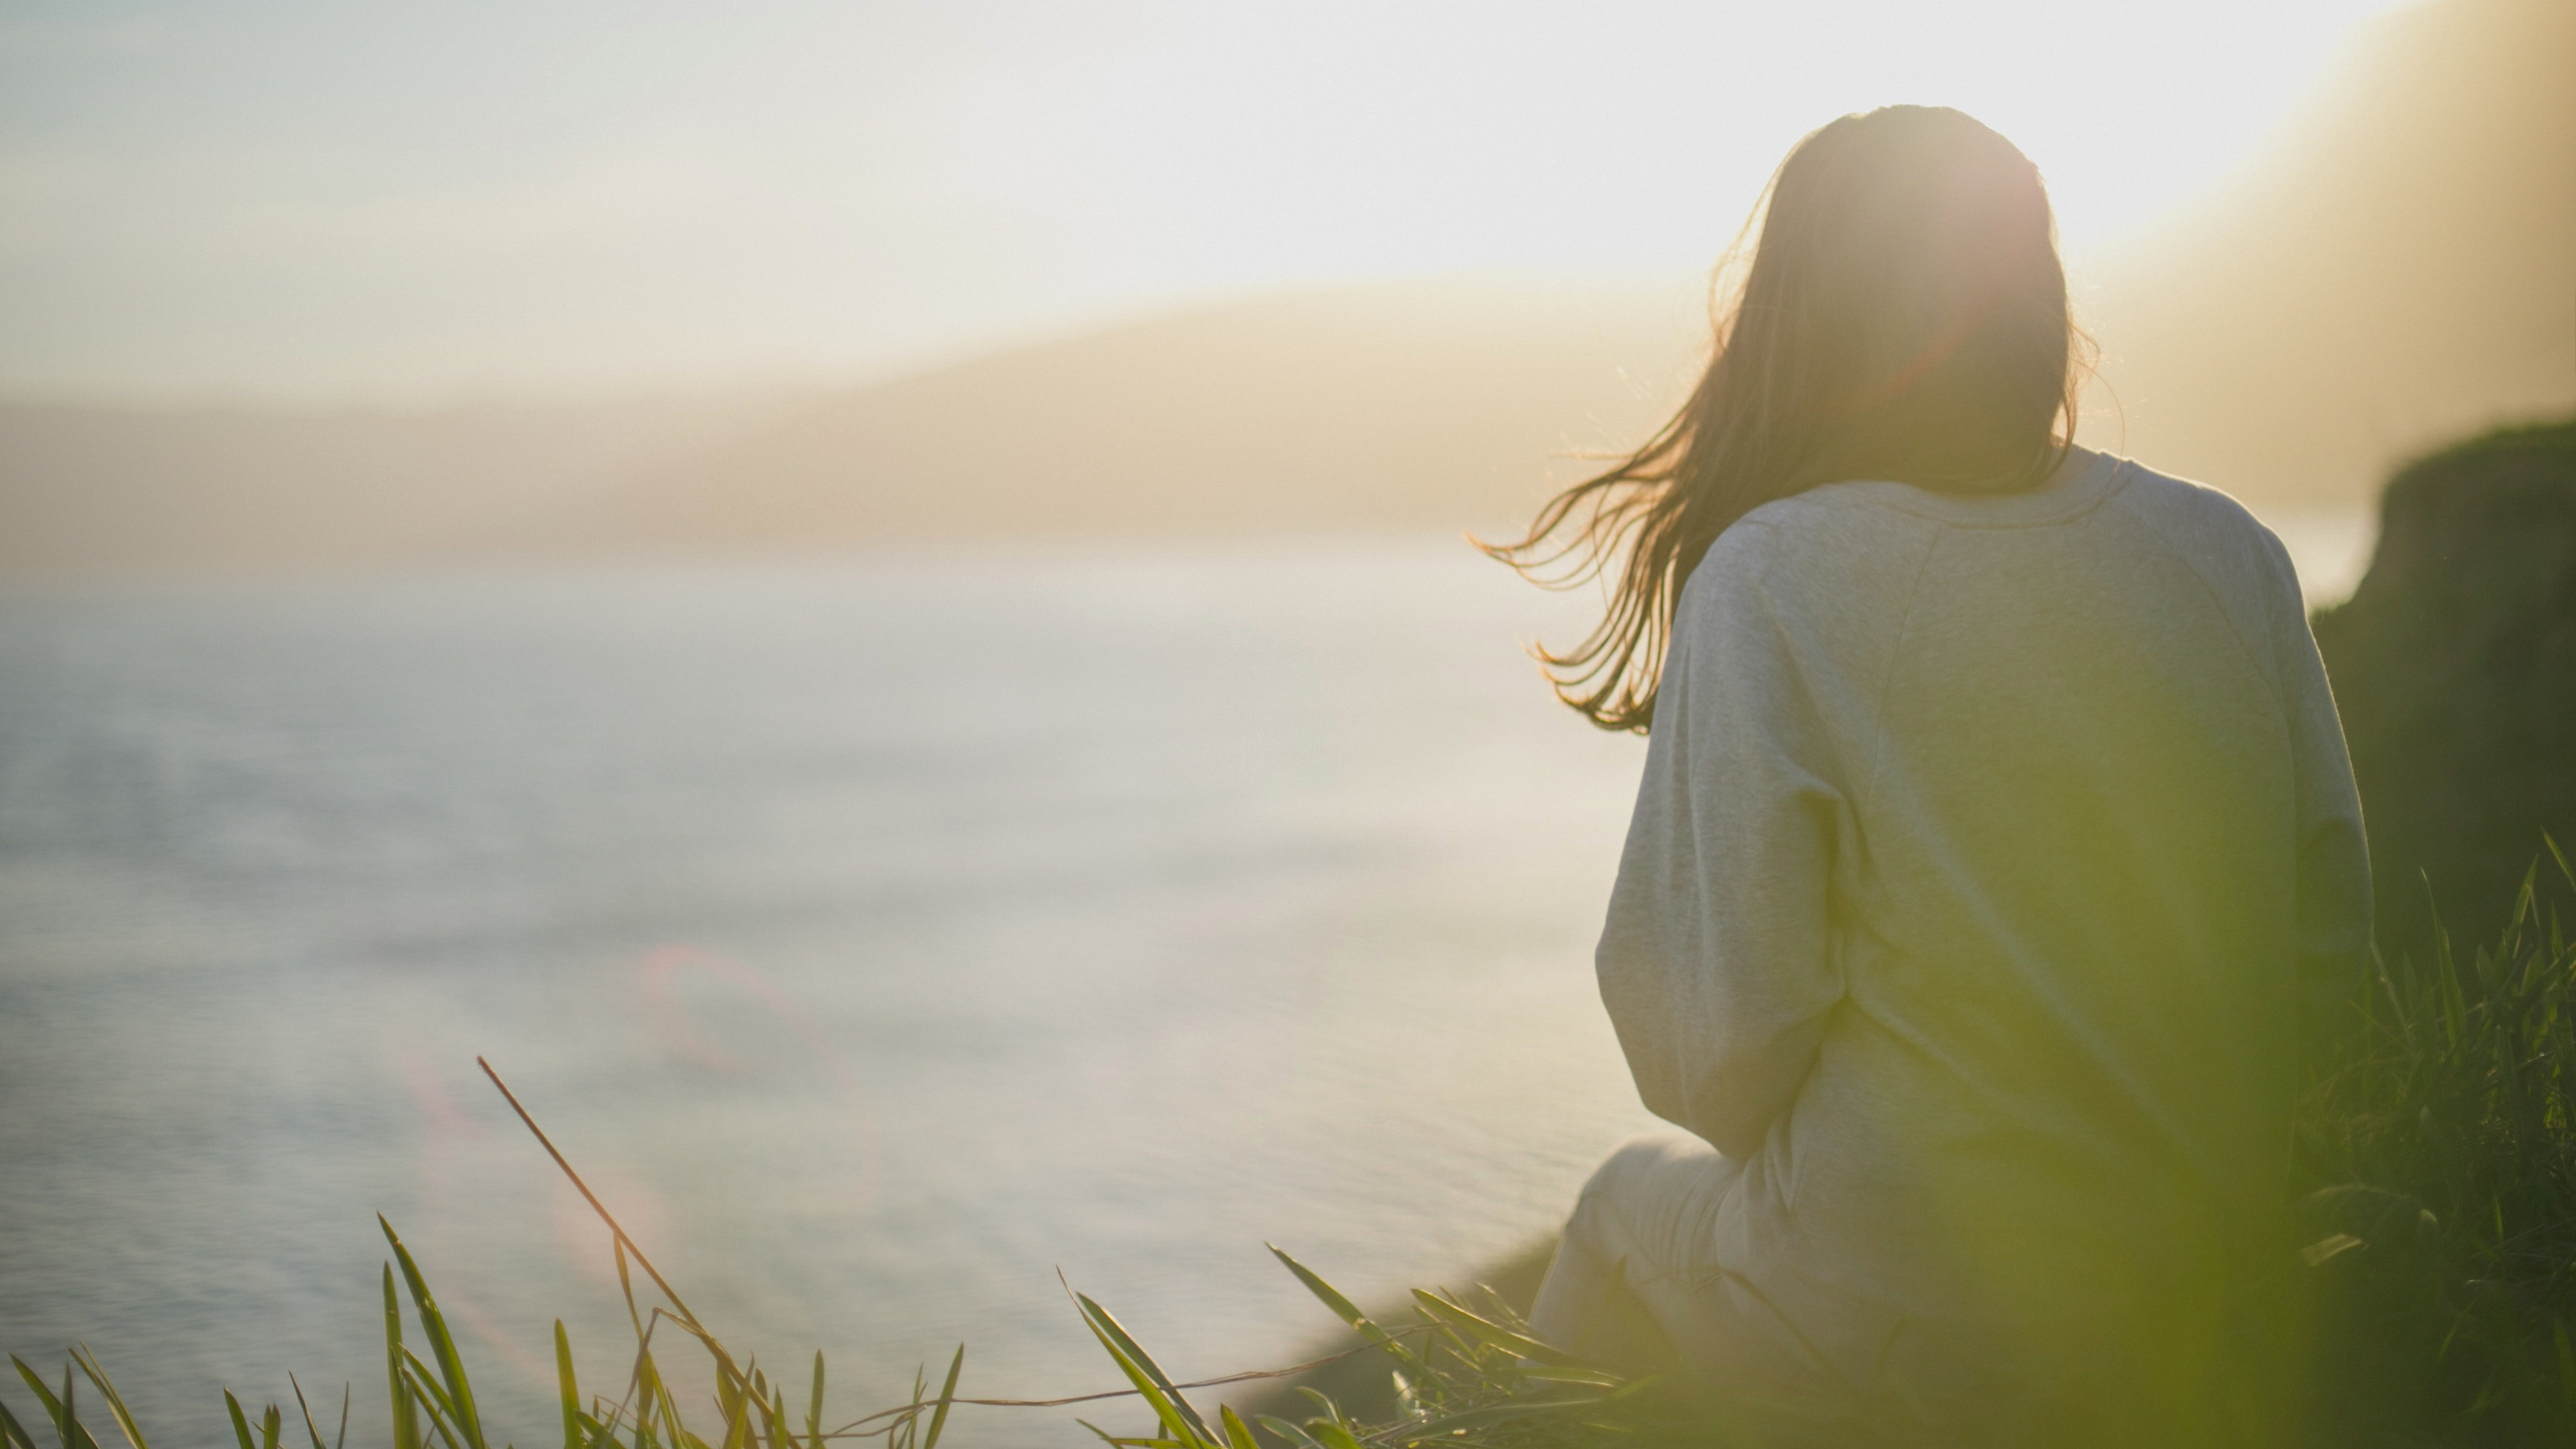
2454, 665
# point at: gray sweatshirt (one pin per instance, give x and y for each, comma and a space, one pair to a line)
1990, 852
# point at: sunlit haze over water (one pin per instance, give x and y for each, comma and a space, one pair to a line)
313, 202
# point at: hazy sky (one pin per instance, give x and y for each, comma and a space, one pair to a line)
414, 202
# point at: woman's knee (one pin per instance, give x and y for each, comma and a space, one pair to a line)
1653, 1203
1646, 1158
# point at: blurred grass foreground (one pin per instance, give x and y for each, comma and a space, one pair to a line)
2427, 1295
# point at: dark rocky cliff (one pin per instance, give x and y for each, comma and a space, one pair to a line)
2454, 665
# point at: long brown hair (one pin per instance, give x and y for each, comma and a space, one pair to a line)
1903, 316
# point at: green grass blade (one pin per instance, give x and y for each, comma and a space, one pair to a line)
1586, 1378
271, 1425
431, 1398
674, 1428
1332, 1435
13, 1435
1505, 1412
1295, 1434
241, 1426
1236, 1435
781, 1434
45, 1397
406, 1422
2455, 1009
626, 1287
75, 1434
649, 1394
440, 1430
730, 1399
814, 1407
97, 1375
1342, 1308
426, 1396
57, 1407
310, 1428
460, 1391
53, 1406
947, 1391
740, 1378
1146, 1383
566, 1387
1322, 1401
1518, 1344
1108, 1329
424, 1385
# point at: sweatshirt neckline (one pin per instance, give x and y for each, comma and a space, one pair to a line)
2057, 502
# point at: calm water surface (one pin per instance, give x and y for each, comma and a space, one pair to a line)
880, 937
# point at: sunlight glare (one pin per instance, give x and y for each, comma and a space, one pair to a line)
382, 200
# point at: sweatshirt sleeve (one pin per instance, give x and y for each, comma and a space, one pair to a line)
1716, 964
2334, 905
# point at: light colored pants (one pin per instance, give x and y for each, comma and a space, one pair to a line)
1635, 1282
1636, 1285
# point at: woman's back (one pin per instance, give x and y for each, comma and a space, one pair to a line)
1995, 827
1983, 843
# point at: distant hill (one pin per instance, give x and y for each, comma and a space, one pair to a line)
2399, 267
1432, 405
1420, 405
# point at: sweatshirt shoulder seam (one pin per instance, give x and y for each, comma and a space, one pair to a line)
2262, 660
